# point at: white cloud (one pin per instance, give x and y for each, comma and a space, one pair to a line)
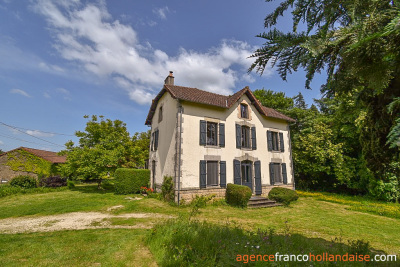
47, 95
1, 143
19, 92
161, 12
38, 133
87, 36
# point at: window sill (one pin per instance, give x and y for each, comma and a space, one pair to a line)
246, 148
209, 146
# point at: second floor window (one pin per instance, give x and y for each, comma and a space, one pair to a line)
212, 134
160, 114
245, 137
244, 111
275, 141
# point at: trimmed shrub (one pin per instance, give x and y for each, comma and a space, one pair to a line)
24, 181
129, 181
70, 184
283, 195
167, 189
54, 181
237, 195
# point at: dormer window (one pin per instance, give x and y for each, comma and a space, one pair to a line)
244, 111
160, 114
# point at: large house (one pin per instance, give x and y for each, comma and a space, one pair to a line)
206, 140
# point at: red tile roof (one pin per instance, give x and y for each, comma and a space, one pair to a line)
50, 156
203, 97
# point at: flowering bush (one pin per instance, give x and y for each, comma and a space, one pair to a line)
145, 190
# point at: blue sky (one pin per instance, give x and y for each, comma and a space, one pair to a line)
61, 60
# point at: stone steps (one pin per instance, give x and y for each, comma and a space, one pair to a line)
261, 202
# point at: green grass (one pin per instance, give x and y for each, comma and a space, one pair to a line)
185, 243
358, 203
103, 247
314, 219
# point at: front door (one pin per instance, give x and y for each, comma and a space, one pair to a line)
246, 174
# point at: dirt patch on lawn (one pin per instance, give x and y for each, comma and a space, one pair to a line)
74, 221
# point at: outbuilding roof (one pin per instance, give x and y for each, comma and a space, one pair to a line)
50, 156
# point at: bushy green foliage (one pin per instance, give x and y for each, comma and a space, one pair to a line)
237, 195
358, 126
129, 181
182, 242
70, 184
104, 146
167, 189
24, 181
283, 195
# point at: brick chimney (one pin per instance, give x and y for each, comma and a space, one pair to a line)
170, 79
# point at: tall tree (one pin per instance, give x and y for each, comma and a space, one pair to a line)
275, 100
299, 101
357, 42
104, 146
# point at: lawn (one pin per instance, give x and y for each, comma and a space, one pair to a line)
311, 219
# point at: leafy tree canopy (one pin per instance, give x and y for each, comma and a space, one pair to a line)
104, 146
357, 44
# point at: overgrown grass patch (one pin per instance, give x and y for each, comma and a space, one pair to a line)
184, 243
357, 203
102, 247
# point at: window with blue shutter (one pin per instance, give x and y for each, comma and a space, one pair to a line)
203, 174
236, 172
222, 135
238, 136
282, 146
222, 174
203, 133
257, 177
269, 139
156, 140
253, 138
284, 173
271, 174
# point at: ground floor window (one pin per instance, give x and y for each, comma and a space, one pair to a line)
212, 173
278, 174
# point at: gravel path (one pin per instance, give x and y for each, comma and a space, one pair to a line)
72, 221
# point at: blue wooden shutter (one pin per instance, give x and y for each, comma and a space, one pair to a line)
238, 136
269, 139
203, 133
203, 174
156, 140
222, 174
271, 173
152, 142
257, 177
284, 173
222, 135
253, 138
236, 172
282, 146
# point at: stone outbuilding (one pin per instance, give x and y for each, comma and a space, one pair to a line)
28, 161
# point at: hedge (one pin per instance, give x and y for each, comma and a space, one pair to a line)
237, 195
129, 181
24, 181
283, 195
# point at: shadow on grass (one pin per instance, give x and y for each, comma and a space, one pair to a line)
92, 189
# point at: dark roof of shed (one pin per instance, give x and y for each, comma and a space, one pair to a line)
50, 156
203, 97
